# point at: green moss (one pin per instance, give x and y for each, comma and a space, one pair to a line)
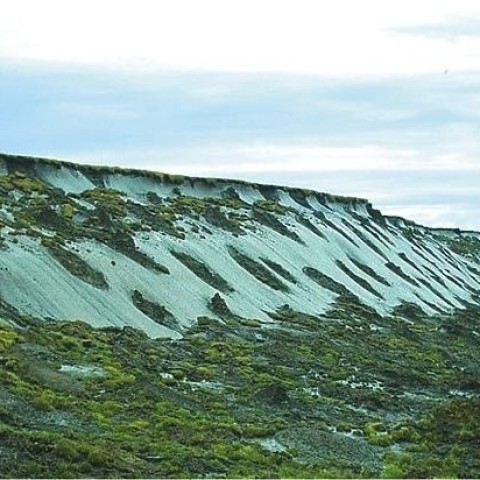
279, 269
8, 337
367, 241
300, 196
20, 181
126, 245
257, 270
158, 313
75, 264
153, 198
408, 310
466, 245
208, 420
302, 220
398, 270
215, 216
188, 205
369, 271
132, 422
270, 221
203, 272
250, 322
359, 280
108, 198
325, 281
271, 206
218, 306
67, 211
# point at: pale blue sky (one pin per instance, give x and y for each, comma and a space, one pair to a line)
389, 111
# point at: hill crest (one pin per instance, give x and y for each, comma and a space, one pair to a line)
157, 251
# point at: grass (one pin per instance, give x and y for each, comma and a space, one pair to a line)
200, 406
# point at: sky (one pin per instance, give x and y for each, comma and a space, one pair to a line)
374, 99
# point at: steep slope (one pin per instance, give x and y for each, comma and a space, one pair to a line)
299, 334
156, 251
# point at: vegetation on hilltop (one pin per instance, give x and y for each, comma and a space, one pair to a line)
97, 172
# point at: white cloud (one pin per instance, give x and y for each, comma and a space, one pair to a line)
439, 215
89, 111
227, 160
452, 30
300, 130
345, 37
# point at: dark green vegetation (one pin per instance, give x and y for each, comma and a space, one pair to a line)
465, 245
202, 271
356, 278
30, 164
369, 271
259, 271
55, 218
158, 313
277, 268
325, 281
75, 265
345, 394
107, 216
269, 220
398, 270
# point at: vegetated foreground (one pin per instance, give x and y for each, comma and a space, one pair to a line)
346, 394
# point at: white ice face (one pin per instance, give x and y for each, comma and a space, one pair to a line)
319, 247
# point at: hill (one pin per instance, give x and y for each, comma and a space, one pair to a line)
125, 247
154, 325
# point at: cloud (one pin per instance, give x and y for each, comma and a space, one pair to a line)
452, 30
302, 36
407, 144
231, 159
167, 109
440, 215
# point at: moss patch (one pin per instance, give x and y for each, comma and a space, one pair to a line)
325, 281
76, 265
257, 270
279, 269
203, 272
204, 405
158, 313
